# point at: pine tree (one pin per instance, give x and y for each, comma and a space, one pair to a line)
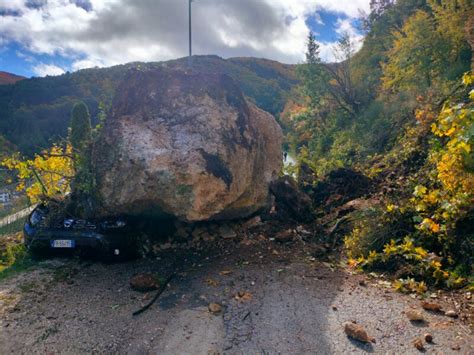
80, 126
312, 73
312, 54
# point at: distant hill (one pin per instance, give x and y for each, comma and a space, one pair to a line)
6, 147
9, 78
35, 111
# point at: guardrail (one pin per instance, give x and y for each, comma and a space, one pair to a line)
13, 223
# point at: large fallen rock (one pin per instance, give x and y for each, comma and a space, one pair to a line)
185, 144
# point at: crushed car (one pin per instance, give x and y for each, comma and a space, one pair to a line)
45, 231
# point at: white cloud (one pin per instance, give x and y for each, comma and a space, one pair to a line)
47, 69
109, 32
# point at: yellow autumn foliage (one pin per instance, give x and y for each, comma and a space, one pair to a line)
47, 175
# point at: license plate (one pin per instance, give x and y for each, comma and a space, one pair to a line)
62, 243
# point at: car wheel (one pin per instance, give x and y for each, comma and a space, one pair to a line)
39, 251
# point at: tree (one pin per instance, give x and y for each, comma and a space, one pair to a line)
312, 73
340, 86
418, 56
81, 130
377, 9
48, 175
451, 17
312, 53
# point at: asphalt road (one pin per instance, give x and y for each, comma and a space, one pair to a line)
276, 299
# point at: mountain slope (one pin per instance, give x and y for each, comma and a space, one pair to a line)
9, 78
35, 111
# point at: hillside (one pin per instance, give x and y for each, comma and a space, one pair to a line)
9, 78
36, 110
391, 126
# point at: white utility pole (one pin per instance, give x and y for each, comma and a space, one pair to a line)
190, 58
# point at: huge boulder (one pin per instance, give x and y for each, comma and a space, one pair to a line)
185, 144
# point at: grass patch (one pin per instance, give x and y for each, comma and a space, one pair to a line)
14, 257
11, 228
21, 265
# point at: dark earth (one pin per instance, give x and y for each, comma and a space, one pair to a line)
275, 298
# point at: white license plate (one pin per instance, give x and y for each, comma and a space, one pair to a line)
62, 243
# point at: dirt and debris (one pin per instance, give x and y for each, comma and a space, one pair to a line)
275, 298
290, 202
268, 287
340, 186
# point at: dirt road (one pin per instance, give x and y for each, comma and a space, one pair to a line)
276, 299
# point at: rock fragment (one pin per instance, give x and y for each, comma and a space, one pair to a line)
414, 315
431, 306
285, 236
418, 344
451, 313
215, 308
144, 282
357, 332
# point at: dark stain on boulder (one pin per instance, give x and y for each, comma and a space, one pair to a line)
217, 167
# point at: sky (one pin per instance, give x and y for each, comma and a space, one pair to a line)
50, 37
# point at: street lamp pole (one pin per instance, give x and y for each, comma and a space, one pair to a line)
190, 59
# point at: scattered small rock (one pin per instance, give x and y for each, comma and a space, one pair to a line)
243, 296
319, 251
334, 308
451, 313
357, 332
227, 232
418, 343
215, 308
284, 236
428, 338
362, 283
225, 272
253, 222
414, 315
431, 306
456, 347
144, 282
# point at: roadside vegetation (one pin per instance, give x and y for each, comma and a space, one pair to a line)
400, 111
47, 178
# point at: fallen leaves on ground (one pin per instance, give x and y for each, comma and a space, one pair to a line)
212, 282
225, 272
243, 296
